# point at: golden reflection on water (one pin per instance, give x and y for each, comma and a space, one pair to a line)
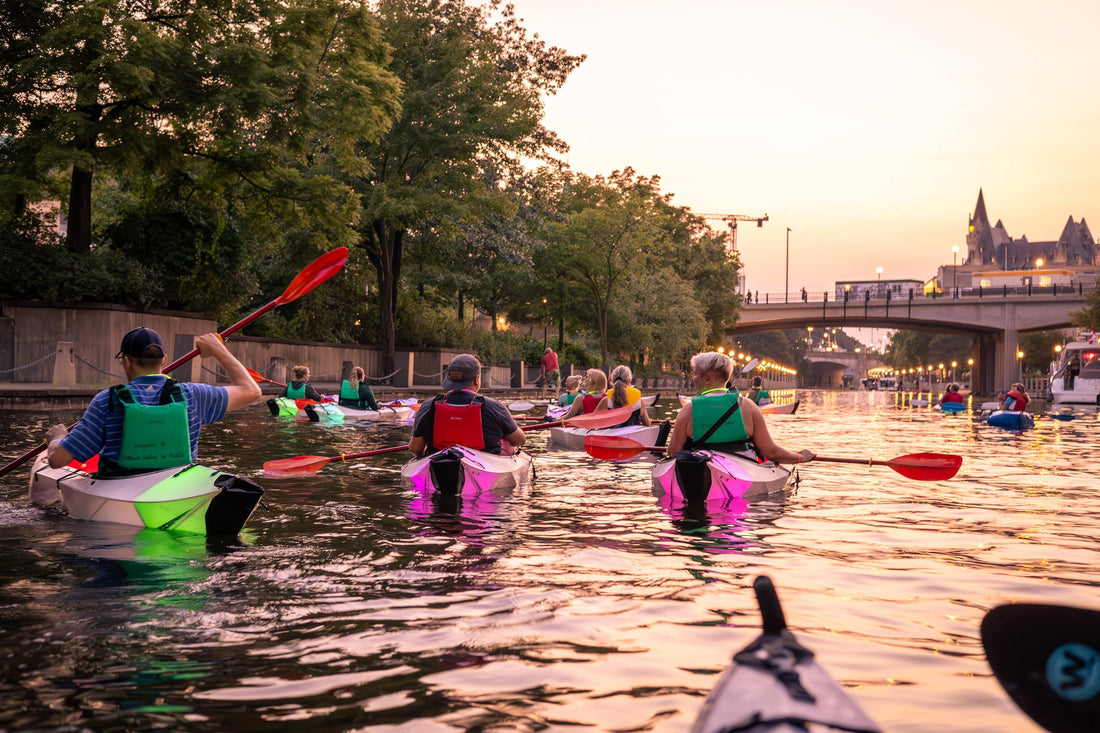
581, 600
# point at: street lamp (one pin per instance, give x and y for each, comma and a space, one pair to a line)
878, 270
787, 271
955, 270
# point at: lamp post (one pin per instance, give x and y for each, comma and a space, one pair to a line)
787, 270
878, 288
955, 271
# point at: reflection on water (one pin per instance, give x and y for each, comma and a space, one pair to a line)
351, 602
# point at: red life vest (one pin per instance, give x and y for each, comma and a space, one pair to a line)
458, 425
1021, 401
589, 402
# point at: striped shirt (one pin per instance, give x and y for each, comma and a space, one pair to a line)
100, 430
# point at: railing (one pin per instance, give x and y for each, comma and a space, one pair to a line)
798, 298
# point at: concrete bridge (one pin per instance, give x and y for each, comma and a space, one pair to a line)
828, 367
993, 318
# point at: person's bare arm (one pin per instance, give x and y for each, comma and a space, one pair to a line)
678, 439
55, 454
644, 414
417, 445
763, 439
243, 390
516, 438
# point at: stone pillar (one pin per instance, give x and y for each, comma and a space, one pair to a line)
64, 368
403, 363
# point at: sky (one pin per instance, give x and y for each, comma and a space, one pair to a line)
867, 127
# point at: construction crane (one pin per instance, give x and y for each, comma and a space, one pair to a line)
732, 220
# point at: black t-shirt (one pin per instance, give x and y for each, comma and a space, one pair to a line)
496, 421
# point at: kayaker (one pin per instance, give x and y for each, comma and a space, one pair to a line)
469, 419
623, 393
572, 386
595, 387
152, 422
758, 394
550, 373
952, 395
300, 388
723, 420
355, 392
1016, 400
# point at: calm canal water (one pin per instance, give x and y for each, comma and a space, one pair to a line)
351, 603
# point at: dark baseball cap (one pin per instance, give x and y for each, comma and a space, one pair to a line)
141, 343
461, 372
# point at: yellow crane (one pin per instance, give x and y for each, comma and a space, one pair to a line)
732, 220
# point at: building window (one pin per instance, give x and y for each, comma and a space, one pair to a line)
985, 282
1044, 281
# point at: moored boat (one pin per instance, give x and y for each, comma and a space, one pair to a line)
565, 438
775, 686
1075, 375
1010, 420
465, 471
706, 475
190, 498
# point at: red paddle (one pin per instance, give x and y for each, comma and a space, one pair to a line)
309, 464
261, 378
919, 466
315, 273
591, 421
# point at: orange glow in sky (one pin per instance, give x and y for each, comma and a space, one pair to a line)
866, 126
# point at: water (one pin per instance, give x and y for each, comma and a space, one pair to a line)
350, 603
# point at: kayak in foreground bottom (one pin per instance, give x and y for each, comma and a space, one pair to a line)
467, 472
775, 686
186, 498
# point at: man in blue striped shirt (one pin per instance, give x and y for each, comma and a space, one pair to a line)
143, 357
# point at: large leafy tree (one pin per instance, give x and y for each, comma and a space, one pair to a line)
217, 97
1089, 316
474, 84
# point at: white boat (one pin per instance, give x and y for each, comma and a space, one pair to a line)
1075, 375
557, 412
713, 476
186, 498
333, 412
466, 471
573, 438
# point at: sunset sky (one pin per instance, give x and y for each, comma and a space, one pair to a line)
866, 126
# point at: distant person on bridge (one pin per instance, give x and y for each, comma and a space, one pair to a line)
803, 294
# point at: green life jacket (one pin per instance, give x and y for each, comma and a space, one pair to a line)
706, 410
154, 436
761, 396
296, 393
347, 391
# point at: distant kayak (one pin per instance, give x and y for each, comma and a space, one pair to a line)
918, 403
950, 407
1010, 420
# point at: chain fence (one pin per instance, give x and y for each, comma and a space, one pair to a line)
32, 364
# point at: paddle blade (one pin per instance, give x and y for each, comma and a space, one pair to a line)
256, 376
927, 466
1048, 660
615, 447
519, 406
750, 366
296, 466
315, 273
604, 419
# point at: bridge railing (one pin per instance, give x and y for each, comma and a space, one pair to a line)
751, 298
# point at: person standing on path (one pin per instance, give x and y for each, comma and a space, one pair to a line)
550, 373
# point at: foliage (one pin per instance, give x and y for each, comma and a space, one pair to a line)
1038, 348
473, 98
782, 347
657, 318
910, 349
1089, 316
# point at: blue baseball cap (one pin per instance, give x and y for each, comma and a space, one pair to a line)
141, 343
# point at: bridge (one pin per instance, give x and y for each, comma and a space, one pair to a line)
993, 318
829, 367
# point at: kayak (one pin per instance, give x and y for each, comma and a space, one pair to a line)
557, 412
185, 498
775, 686
710, 475
1011, 420
950, 407
573, 438
466, 471
773, 408
333, 412
918, 402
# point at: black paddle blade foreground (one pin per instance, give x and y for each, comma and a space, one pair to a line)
1048, 660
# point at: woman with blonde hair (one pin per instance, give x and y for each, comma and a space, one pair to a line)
594, 384
299, 387
623, 393
355, 392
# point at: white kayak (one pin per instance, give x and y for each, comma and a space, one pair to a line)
333, 412
565, 438
774, 408
466, 471
186, 498
557, 412
708, 475
775, 686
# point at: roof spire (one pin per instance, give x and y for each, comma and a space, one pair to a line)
980, 217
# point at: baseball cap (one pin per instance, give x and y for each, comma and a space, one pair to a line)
461, 371
141, 343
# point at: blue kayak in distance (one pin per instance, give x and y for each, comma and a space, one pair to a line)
951, 406
1011, 420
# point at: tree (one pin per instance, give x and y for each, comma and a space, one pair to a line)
473, 87
658, 316
221, 96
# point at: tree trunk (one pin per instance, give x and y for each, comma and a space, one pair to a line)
78, 238
383, 248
